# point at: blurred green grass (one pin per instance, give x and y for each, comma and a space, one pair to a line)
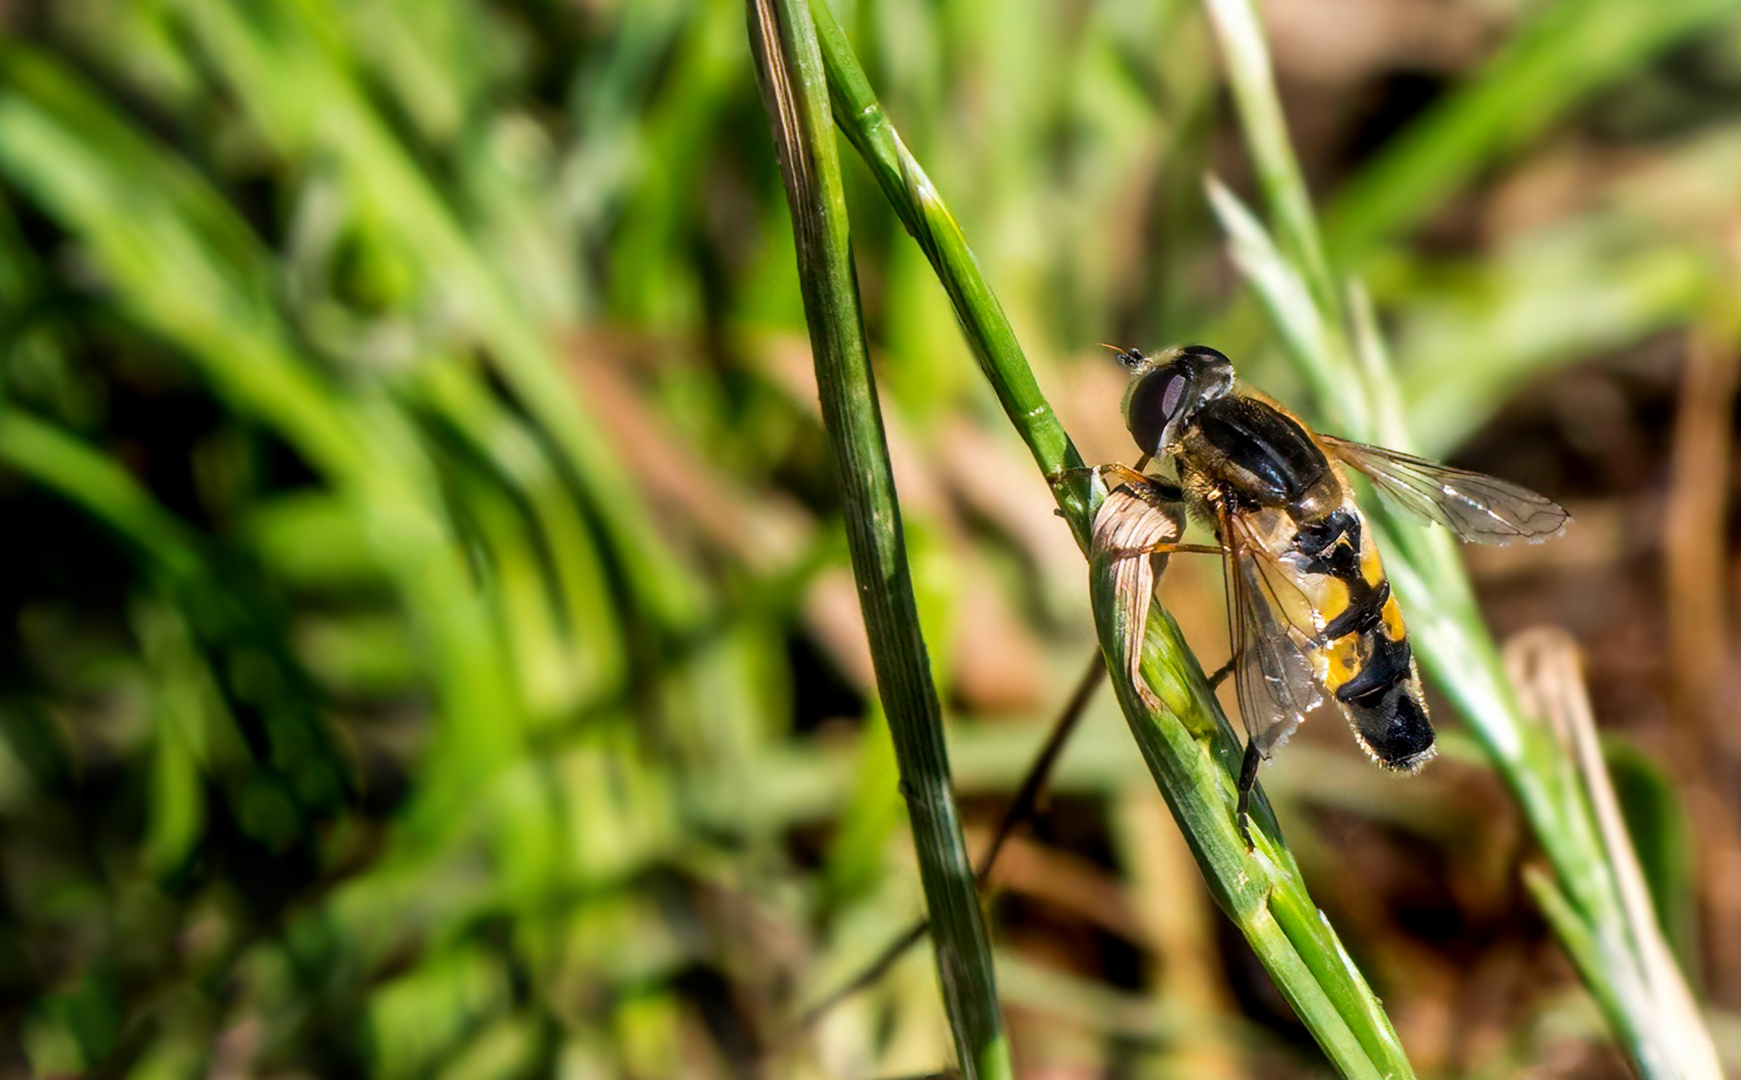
425, 646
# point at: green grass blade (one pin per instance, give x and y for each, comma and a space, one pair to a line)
295, 79
1336, 345
989, 333
591, 664
795, 95
1567, 51
1194, 756
188, 271
1187, 747
1272, 156
1544, 303
89, 480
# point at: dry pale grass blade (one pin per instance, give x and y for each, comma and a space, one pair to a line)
1545, 666
1128, 529
1694, 542
766, 531
1704, 681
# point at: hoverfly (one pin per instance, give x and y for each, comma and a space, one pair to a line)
1309, 606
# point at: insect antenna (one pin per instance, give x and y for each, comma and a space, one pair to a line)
1128, 357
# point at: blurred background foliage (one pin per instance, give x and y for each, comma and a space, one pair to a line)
427, 643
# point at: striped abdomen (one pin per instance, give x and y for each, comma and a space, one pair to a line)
1361, 652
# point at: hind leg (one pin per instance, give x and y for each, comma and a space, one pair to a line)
1247, 781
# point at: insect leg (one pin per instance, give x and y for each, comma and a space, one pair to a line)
1112, 474
1247, 781
1163, 549
1221, 673
1064, 476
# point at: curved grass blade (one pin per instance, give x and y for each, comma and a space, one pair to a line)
989, 333
1563, 54
795, 95
1191, 750
1195, 758
181, 264
1333, 338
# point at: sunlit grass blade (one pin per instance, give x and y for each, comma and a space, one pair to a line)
1455, 648
302, 96
1195, 757
922, 210
1562, 54
795, 95
1187, 746
187, 269
1334, 341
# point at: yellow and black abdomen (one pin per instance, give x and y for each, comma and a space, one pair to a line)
1362, 653
1267, 469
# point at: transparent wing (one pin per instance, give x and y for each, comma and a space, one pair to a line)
1272, 673
1479, 508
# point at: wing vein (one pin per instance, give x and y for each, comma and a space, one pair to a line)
1478, 508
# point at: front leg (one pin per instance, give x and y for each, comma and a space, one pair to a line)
1125, 473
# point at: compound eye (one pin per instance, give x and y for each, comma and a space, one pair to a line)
1153, 401
1204, 352
1175, 388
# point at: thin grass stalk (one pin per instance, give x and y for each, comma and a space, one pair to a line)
1248, 63
1189, 746
1194, 756
795, 95
86, 478
182, 265
293, 78
926, 217
1317, 325
1564, 53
